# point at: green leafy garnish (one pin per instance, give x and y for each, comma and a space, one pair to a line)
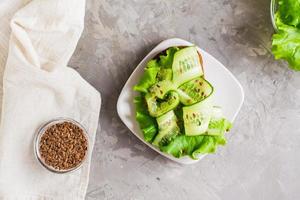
193, 145
286, 42
289, 12
147, 123
167, 60
148, 79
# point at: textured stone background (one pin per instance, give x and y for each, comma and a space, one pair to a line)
261, 160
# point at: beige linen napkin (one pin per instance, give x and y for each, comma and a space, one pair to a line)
37, 87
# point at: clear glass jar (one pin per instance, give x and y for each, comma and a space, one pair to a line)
37, 141
273, 8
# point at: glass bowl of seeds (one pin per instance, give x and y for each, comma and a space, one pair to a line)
61, 145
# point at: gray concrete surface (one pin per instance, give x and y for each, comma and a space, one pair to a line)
261, 159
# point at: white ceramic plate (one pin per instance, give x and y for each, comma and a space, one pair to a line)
228, 92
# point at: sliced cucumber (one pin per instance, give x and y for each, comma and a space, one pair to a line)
197, 117
168, 129
194, 91
186, 65
158, 106
166, 121
160, 89
184, 98
164, 74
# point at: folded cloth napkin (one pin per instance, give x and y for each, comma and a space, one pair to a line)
38, 87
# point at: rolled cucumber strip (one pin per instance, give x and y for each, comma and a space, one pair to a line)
186, 65
161, 88
158, 106
194, 91
197, 117
168, 129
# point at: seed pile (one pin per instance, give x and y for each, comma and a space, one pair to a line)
63, 146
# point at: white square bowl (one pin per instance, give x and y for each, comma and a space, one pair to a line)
228, 92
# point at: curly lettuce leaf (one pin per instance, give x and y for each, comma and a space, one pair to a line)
286, 44
157, 70
147, 123
164, 74
289, 12
152, 64
166, 61
148, 78
218, 127
194, 145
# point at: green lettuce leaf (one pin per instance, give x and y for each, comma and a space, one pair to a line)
193, 145
167, 60
286, 44
209, 145
152, 64
148, 78
201, 144
147, 123
289, 12
164, 74
218, 127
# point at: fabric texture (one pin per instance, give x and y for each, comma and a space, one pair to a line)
38, 87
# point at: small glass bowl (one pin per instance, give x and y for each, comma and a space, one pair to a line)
273, 9
40, 133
